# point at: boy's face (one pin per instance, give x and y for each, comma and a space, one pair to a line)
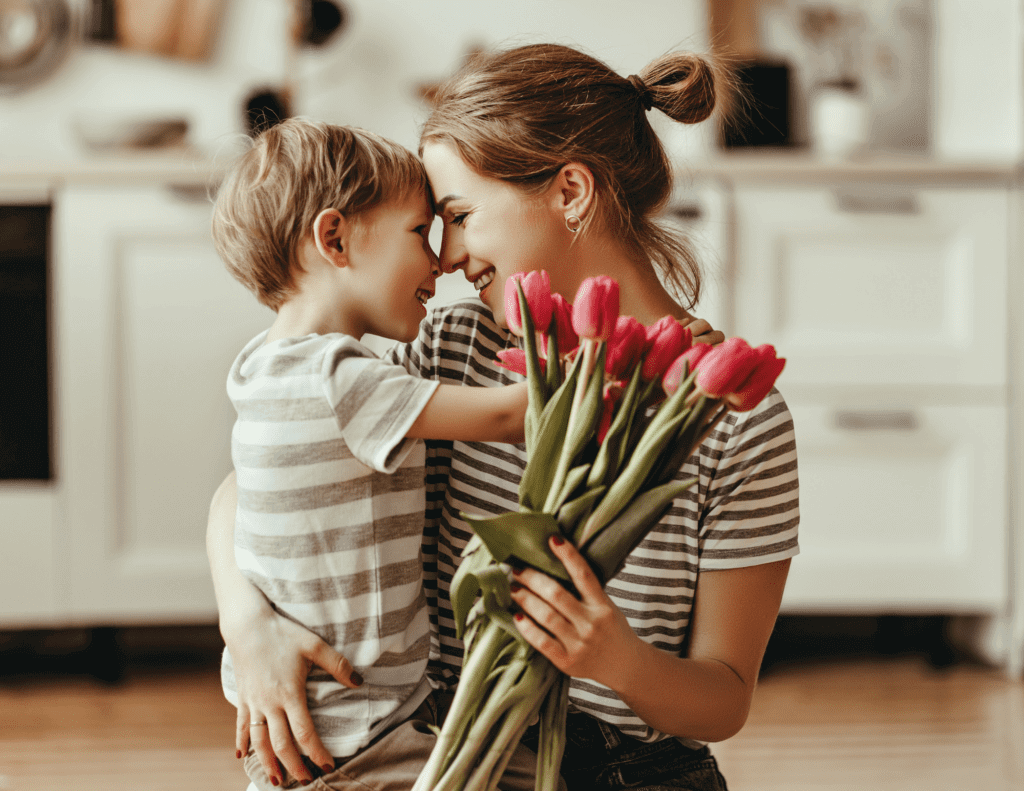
398, 269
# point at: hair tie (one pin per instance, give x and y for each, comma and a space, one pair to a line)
642, 91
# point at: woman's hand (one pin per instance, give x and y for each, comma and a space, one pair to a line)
587, 637
272, 657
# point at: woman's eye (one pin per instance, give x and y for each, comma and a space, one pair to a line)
458, 219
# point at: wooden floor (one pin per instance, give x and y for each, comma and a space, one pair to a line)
837, 723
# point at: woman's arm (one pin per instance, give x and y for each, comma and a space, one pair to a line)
473, 414
271, 655
704, 696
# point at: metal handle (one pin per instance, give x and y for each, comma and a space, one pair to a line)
876, 202
876, 420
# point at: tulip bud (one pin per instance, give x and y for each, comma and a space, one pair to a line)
723, 369
596, 308
562, 310
666, 340
625, 346
537, 290
513, 360
683, 365
749, 394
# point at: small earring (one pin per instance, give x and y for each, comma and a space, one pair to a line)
573, 223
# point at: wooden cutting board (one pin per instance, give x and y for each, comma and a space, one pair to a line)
174, 28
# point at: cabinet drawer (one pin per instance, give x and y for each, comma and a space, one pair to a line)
902, 506
883, 285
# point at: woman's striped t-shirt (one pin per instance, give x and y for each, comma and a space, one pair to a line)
742, 512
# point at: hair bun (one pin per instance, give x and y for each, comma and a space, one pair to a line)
681, 85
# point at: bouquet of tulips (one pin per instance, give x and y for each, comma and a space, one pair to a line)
615, 409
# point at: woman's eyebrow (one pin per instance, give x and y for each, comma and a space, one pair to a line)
445, 201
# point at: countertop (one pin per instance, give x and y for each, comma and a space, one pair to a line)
187, 167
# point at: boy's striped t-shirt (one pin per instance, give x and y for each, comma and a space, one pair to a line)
329, 521
743, 510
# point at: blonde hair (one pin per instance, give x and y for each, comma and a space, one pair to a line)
519, 115
268, 202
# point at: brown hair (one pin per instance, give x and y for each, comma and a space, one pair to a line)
294, 170
519, 115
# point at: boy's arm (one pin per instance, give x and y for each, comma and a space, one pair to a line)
473, 414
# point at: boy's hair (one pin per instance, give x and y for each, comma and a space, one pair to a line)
519, 115
294, 170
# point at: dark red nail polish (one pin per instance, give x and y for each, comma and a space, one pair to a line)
515, 587
516, 571
519, 616
356, 679
327, 768
306, 782
274, 781
238, 753
557, 540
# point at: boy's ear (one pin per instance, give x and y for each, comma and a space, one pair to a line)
574, 189
330, 234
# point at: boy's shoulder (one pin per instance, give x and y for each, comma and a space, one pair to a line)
293, 355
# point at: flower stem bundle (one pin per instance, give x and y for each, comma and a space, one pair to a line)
615, 409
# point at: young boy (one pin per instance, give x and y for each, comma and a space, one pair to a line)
328, 226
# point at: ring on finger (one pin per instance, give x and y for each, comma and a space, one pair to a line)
257, 722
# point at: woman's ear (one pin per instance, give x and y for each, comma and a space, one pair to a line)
575, 190
330, 234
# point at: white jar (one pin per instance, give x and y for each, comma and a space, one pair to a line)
839, 120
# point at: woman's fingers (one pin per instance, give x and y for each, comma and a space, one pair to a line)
580, 573
259, 737
242, 730
322, 655
305, 735
703, 332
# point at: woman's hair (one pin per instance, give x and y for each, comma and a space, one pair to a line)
294, 170
519, 115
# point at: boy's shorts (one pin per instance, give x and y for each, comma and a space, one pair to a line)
393, 760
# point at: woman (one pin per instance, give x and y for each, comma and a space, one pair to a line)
541, 157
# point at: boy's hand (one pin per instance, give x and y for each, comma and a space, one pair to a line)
703, 332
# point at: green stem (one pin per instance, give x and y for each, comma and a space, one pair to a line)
552, 734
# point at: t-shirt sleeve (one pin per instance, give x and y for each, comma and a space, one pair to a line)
752, 511
375, 403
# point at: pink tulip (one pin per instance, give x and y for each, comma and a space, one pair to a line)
596, 308
537, 290
666, 340
625, 346
723, 369
562, 310
761, 380
514, 360
683, 365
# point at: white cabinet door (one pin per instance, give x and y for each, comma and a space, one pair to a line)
147, 323
875, 284
902, 507
29, 594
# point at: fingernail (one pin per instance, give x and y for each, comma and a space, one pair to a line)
327, 768
557, 540
516, 571
515, 587
274, 781
306, 782
356, 678
519, 616
238, 753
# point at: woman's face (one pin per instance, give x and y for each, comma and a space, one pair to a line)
492, 230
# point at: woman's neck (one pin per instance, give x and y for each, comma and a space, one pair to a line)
641, 293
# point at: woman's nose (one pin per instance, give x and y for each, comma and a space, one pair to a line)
452, 255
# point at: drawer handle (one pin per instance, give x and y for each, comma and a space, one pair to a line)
876, 420
876, 202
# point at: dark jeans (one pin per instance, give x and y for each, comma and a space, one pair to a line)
599, 757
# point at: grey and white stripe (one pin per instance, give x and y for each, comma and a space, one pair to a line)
330, 518
743, 511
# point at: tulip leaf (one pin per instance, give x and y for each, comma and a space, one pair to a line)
466, 583
603, 468
575, 477
520, 535
608, 549
573, 511
554, 368
550, 437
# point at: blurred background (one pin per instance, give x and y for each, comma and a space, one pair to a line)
858, 204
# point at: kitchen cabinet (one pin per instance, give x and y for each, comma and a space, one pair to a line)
147, 323
889, 300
